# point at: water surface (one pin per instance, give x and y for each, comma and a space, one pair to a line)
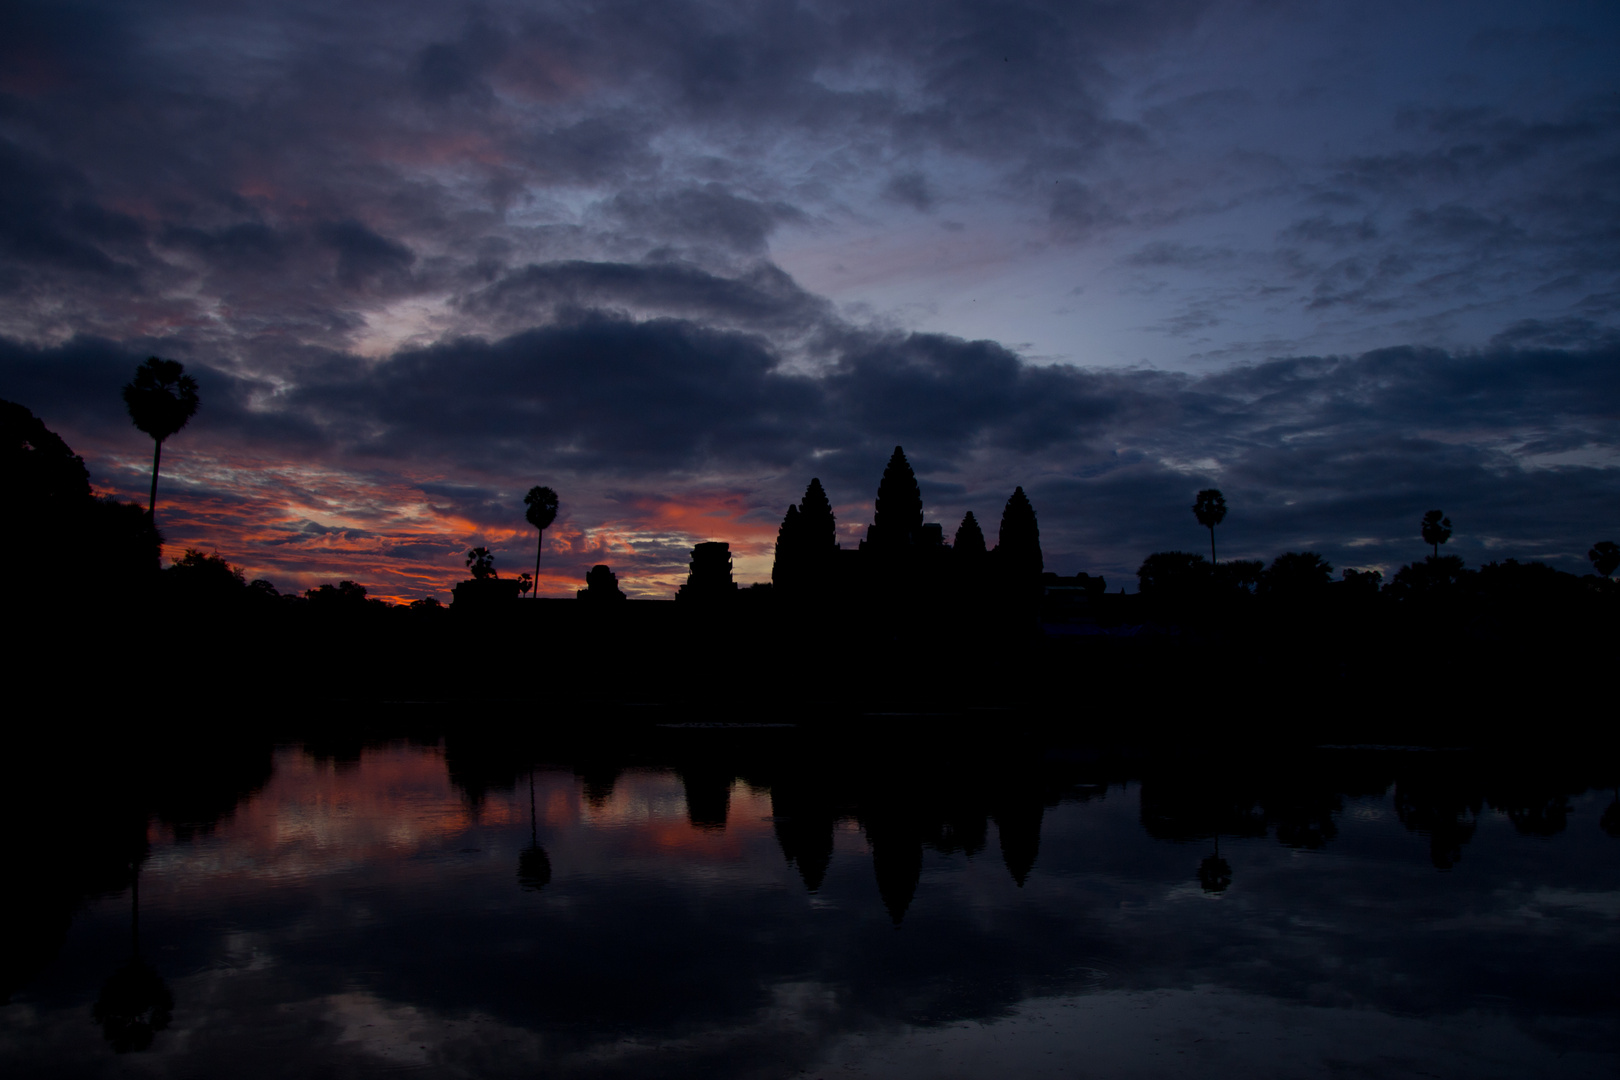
736, 913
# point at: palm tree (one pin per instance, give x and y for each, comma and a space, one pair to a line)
1210, 510
534, 865
160, 399
541, 512
1605, 556
1436, 529
481, 561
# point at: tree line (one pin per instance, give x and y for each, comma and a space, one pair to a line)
1302, 575
901, 554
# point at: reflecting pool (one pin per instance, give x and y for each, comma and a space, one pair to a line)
729, 906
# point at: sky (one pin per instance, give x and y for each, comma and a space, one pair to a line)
1347, 263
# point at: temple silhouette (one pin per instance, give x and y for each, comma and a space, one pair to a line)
915, 619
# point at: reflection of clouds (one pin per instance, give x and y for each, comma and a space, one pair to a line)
652, 807
1204, 1031
398, 813
409, 1037
639, 796
313, 819
1606, 904
395, 935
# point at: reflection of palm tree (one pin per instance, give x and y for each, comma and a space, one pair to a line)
534, 865
135, 1003
1215, 873
1610, 821
161, 399
542, 511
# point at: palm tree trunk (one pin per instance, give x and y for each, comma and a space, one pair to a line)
135, 911
1212, 545
538, 545
157, 456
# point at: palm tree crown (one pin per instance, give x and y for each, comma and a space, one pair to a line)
542, 507
541, 504
1436, 529
161, 398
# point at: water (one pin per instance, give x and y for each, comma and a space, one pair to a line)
408, 910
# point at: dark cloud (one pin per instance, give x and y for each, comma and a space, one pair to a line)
1322, 229
599, 393
1571, 332
445, 71
1077, 210
47, 225
600, 149
910, 189
760, 298
1461, 225
1183, 256
364, 257
709, 214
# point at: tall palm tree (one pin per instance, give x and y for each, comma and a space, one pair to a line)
160, 399
1436, 529
542, 511
1210, 510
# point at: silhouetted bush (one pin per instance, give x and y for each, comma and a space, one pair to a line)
1363, 584
1435, 578
1174, 575
47, 493
1296, 576
1605, 557
196, 578
345, 596
1237, 576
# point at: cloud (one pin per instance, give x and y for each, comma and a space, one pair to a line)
910, 189
760, 298
709, 214
631, 417
1323, 229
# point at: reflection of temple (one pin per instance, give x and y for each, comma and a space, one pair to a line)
708, 796
804, 817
